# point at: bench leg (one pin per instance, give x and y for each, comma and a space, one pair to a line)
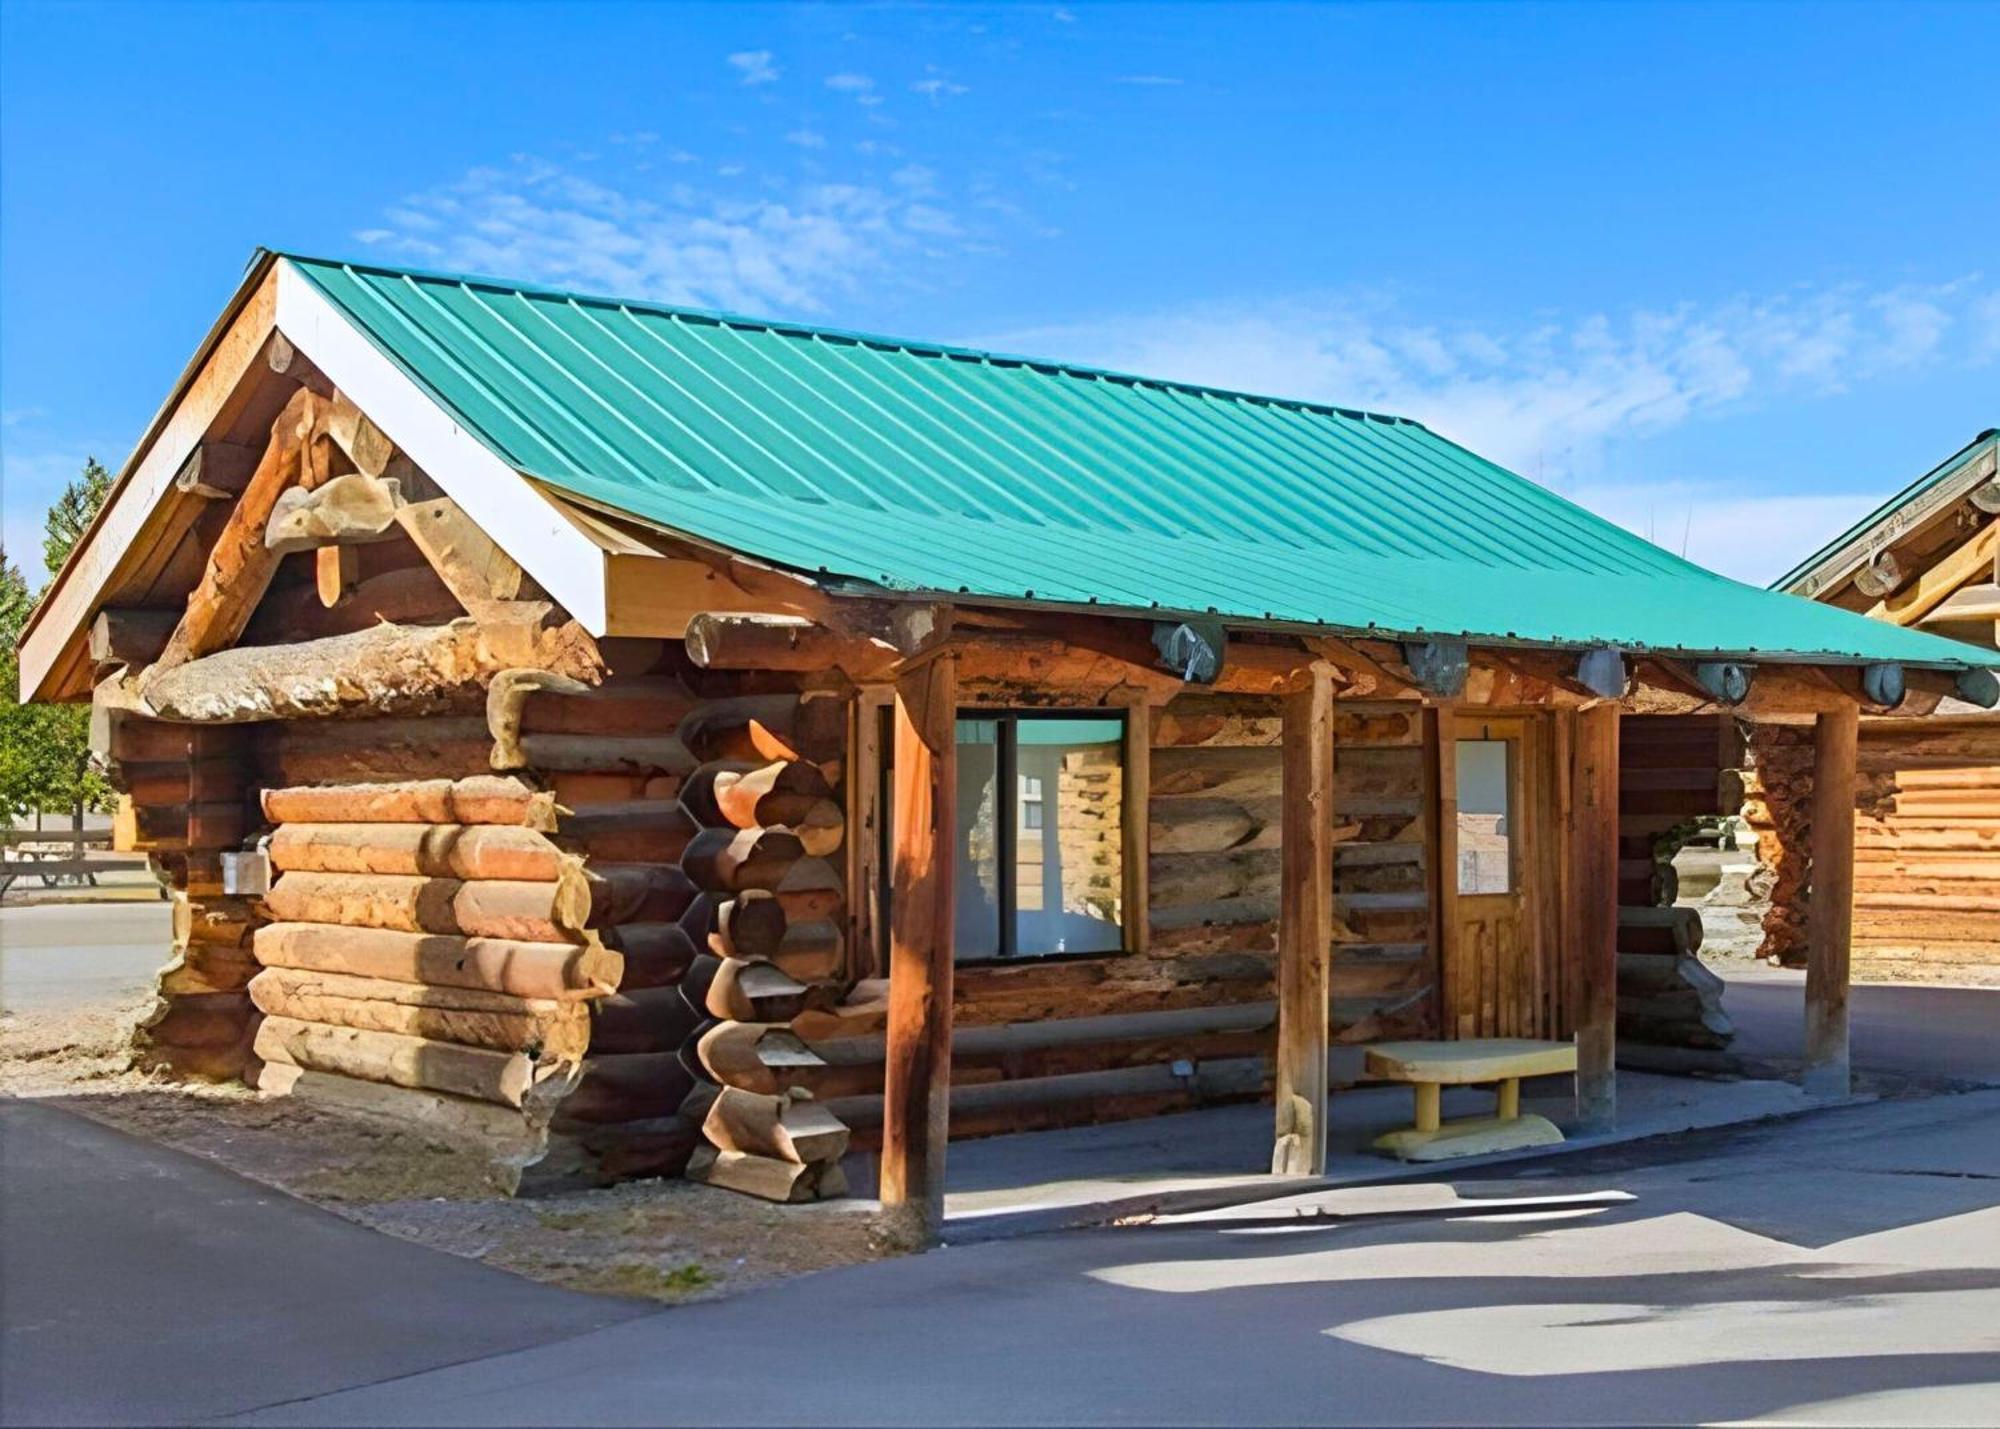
1429, 1104
1510, 1099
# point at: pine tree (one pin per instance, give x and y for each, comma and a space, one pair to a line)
73, 512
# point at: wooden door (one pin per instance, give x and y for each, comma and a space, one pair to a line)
1498, 894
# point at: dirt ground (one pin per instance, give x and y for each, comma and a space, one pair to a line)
670, 1241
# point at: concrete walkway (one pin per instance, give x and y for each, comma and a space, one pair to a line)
1843, 1267
145, 1286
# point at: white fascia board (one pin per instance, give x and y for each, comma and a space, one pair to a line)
502, 502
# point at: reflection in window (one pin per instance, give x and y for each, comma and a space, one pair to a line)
1485, 833
1041, 836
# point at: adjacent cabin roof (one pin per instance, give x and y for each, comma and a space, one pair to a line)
915, 467
1930, 496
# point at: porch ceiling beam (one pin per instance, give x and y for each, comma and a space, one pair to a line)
1305, 928
923, 830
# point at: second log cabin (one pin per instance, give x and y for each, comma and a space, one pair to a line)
652, 741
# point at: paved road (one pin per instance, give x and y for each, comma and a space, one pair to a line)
146, 1286
72, 955
1945, 1032
1848, 1261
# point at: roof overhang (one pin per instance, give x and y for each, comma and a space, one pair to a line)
1909, 510
569, 562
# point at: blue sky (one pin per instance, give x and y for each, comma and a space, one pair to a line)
1726, 273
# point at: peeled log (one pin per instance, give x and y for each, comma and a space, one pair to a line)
782, 642
434, 850
766, 1176
748, 796
754, 992
406, 668
656, 954
346, 510
733, 860
130, 636
628, 831
759, 729
636, 1086
756, 1057
785, 1128
541, 1027
652, 1019
635, 753
541, 970
482, 799
650, 705
535, 912
477, 1072
1659, 930
636, 893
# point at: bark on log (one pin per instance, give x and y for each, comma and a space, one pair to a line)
561, 971
540, 1027
506, 1078
388, 668
482, 799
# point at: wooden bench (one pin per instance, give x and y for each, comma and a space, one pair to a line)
1430, 1067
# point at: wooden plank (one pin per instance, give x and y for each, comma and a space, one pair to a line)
1592, 915
1830, 913
917, 1078
1305, 929
1455, 1013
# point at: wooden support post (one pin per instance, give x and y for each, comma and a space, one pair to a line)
924, 832
1592, 916
1305, 928
1830, 911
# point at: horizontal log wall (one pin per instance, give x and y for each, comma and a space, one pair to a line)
1927, 845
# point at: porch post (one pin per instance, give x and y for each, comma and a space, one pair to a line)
1593, 912
1305, 928
924, 827
1830, 909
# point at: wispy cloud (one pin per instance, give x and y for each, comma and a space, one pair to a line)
782, 246
755, 66
806, 138
1147, 79
1548, 397
936, 86
859, 86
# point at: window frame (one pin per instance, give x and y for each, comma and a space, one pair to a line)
1512, 743
1132, 830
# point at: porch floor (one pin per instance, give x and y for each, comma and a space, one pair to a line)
1006, 1185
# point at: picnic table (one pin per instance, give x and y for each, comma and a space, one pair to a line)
53, 857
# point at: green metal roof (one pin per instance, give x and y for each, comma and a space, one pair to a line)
1939, 479
915, 467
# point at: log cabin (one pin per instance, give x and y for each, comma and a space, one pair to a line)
1927, 794
653, 741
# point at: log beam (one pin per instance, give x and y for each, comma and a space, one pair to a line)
240, 565
917, 1083
1305, 929
1830, 912
1591, 919
348, 510
783, 642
